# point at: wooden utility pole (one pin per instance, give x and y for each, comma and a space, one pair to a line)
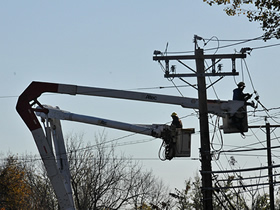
204, 132
269, 160
200, 73
269, 163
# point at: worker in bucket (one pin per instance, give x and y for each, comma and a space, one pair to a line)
240, 96
171, 142
239, 116
176, 122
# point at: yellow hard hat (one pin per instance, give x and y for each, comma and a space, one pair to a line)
173, 114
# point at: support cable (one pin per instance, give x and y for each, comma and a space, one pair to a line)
249, 75
177, 88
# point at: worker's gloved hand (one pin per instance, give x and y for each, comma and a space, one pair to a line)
250, 96
257, 98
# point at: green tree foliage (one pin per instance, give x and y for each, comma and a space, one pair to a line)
267, 12
14, 189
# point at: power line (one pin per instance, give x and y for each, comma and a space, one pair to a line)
241, 170
246, 178
267, 46
248, 150
4, 97
242, 186
238, 42
130, 89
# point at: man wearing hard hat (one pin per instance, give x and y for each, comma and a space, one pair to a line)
238, 93
176, 122
239, 117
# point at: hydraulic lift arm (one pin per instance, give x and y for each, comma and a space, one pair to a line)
29, 98
58, 171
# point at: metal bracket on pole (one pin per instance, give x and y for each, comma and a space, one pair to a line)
178, 58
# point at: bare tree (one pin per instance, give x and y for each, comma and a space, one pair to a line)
102, 179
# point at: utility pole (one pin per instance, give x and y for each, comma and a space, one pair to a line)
200, 73
269, 160
269, 163
204, 132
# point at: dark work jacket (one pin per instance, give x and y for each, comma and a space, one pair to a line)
238, 95
176, 122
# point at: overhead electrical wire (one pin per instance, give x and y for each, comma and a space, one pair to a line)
242, 186
249, 150
242, 170
109, 141
29, 160
248, 155
238, 42
267, 46
4, 97
248, 178
249, 75
177, 88
129, 89
249, 146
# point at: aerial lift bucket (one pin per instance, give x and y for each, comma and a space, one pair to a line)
237, 123
183, 142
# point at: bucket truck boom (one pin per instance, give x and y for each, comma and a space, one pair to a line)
169, 134
57, 166
29, 98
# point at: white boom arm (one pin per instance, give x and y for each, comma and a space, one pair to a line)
58, 174
176, 141
154, 130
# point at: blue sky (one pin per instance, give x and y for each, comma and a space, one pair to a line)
110, 44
